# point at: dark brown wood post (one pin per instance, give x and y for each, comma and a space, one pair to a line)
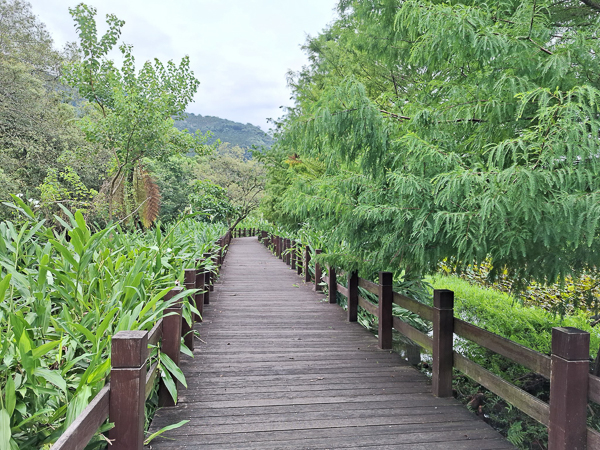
189, 281
352, 296
298, 251
243, 232
288, 256
332, 286
443, 335
213, 275
306, 263
207, 280
199, 298
318, 272
219, 254
171, 342
386, 297
293, 254
128, 389
281, 247
569, 389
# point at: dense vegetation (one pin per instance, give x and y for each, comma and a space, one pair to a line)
88, 152
64, 294
428, 130
244, 136
460, 135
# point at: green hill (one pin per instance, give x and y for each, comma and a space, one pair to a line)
244, 136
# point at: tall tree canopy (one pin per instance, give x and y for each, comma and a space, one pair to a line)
425, 130
135, 111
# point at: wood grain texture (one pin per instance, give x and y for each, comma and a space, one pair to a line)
278, 366
531, 359
79, 433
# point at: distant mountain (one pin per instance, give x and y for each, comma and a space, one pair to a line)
244, 136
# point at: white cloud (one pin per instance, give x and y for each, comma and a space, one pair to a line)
240, 50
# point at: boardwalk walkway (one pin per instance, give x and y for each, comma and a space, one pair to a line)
279, 367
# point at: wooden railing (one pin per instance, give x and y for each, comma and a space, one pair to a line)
571, 384
245, 232
122, 400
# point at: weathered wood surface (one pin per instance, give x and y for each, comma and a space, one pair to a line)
280, 367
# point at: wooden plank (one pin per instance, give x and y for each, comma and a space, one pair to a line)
373, 288
413, 334
367, 305
151, 378
530, 405
593, 439
594, 388
156, 333
261, 381
425, 311
325, 279
342, 290
79, 433
518, 353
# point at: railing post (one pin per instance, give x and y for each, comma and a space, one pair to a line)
213, 275
569, 389
306, 263
293, 255
128, 389
288, 256
199, 298
171, 342
207, 278
318, 272
297, 251
443, 335
386, 296
189, 281
352, 296
332, 286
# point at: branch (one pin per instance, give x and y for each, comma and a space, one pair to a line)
592, 4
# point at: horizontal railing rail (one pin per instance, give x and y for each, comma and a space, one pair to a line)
122, 399
571, 384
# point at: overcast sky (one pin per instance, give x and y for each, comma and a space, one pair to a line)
240, 50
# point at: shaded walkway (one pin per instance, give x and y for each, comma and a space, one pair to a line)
279, 367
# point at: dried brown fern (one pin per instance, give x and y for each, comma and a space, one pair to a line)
147, 196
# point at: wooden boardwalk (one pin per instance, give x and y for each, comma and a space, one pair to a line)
281, 368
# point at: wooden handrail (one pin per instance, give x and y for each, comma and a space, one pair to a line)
518, 353
85, 426
571, 384
156, 333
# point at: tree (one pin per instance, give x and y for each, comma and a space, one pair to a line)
243, 180
135, 111
462, 130
37, 129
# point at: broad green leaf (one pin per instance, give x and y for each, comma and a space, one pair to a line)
52, 376
77, 405
4, 284
167, 379
172, 368
10, 397
5, 432
162, 430
40, 351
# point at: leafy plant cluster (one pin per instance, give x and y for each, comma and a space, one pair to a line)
63, 294
573, 293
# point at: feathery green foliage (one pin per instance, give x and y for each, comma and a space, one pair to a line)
424, 130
